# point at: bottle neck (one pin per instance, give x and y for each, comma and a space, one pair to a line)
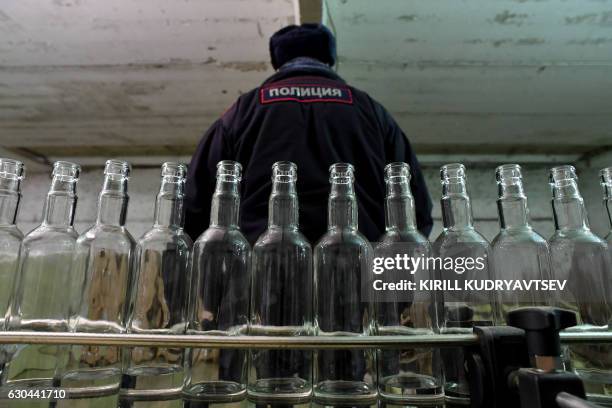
399, 208
225, 206
608, 204
608, 201
169, 205
512, 206
568, 206
60, 203
9, 200
283, 206
342, 206
113, 201
456, 207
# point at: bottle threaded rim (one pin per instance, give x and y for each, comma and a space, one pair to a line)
561, 174
174, 170
508, 173
229, 170
606, 176
397, 172
341, 173
12, 169
284, 172
452, 172
117, 168
66, 170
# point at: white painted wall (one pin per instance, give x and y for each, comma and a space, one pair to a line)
481, 183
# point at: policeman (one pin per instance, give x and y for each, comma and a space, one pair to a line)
307, 114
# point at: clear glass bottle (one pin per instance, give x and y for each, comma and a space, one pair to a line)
606, 185
519, 253
219, 298
341, 258
410, 375
40, 302
582, 258
281, 297
101, 278
458, 312
159, 294
11, 175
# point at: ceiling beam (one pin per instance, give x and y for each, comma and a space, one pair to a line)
33, 162
599, 158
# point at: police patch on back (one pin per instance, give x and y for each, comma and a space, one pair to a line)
305, 93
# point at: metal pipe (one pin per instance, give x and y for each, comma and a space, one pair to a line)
270, 342
586, 337
237, 342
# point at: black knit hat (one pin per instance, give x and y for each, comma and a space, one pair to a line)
306, 40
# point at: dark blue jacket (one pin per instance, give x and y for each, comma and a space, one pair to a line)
305, 113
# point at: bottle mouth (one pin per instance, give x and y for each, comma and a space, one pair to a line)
284, 172
11, 169
508, 173
397, 172
341, 173
606, 176
175, 171
562, 175
117, 168
229, 170
452, 172
66, 171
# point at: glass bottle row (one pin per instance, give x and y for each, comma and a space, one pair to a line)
103, 282
99, 282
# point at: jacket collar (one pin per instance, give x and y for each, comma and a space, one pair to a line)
303, 66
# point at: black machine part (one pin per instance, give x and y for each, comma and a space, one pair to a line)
542, 326
541, 389
500, 352
544, 386
503, 368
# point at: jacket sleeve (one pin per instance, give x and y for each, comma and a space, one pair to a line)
399, 150
201, 178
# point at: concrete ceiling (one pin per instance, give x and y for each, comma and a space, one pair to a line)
143, 79
481, 76
126, 77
